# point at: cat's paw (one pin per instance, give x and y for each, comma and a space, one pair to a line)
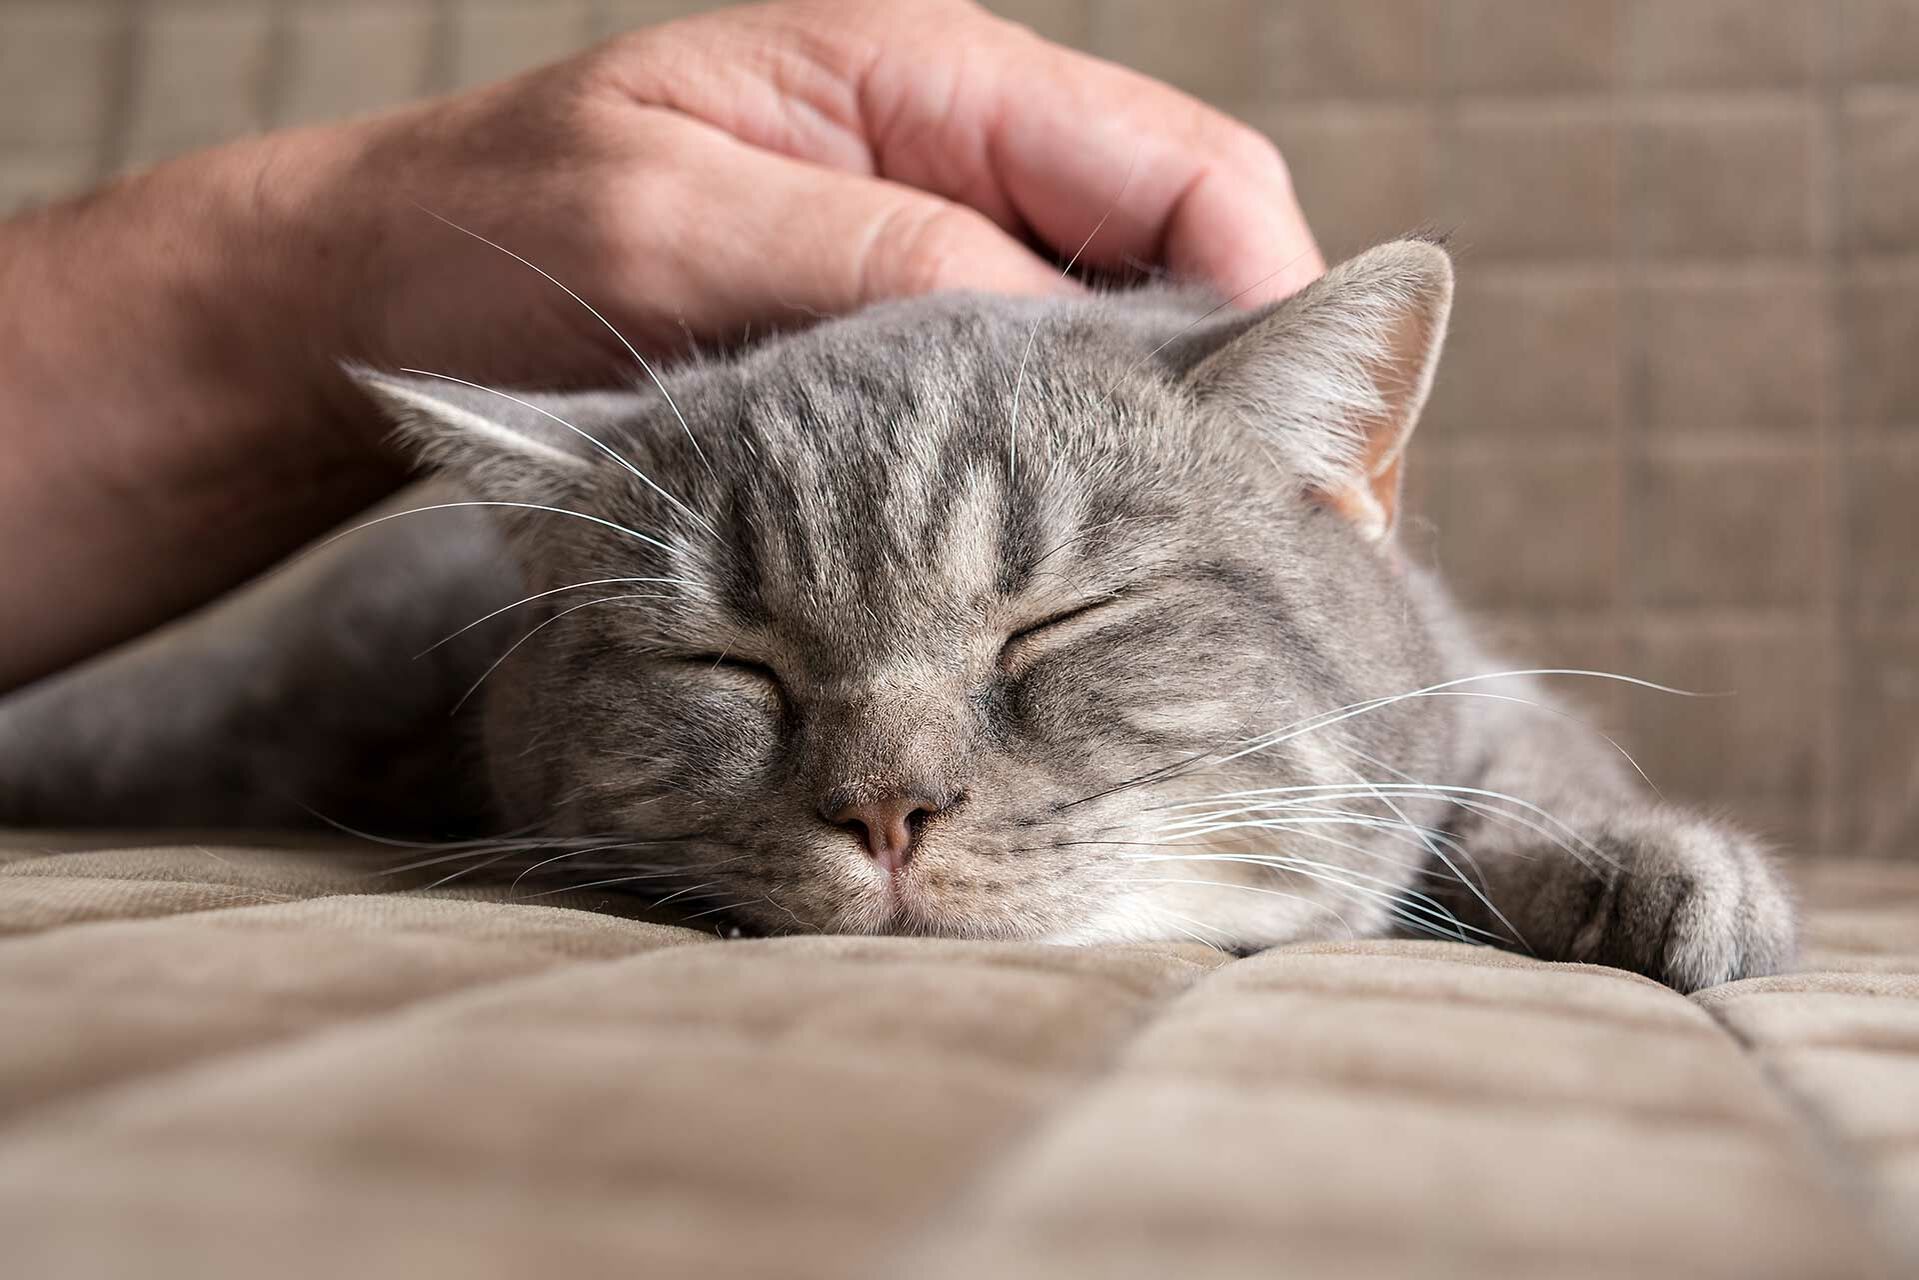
1692, 902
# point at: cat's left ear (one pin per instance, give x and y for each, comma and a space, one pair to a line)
1335, 376
501, 444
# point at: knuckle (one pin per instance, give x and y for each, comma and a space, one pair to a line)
616, 60
922, 248
623, 48
667, 144
1245, 147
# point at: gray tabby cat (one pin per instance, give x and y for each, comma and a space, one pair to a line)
1077, 620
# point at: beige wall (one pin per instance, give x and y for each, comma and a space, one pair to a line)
1678, 434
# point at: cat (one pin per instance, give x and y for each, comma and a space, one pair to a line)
1077, 619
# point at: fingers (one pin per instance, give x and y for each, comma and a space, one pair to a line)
1071, 138
749, 237
915, 243
1036, 137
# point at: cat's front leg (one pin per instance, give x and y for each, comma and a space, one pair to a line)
1648, 887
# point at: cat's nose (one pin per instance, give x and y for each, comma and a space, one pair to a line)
889, 825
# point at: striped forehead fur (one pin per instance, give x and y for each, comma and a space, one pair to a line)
875, 515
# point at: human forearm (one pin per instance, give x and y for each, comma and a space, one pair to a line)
167, 428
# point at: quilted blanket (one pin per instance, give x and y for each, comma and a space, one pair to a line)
220, 1060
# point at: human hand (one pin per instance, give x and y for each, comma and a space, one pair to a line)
757, 166
172, 399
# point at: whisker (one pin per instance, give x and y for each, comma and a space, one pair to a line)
777, 905
413, 844
713, 911
541, 595
1249, 888
590, 438
1298, 816
1314, 723
683, 892
1181, 839
598, 848
631, 349
649, 875
1209, 759
1081, 536
1399, 900
514, 647
1197, 925
480, 502
1351, 933
1019, 379
1401, 828
448, 879
477, 852
1476, 890
1169, 770
1464, 796
1548, 709
1138, 364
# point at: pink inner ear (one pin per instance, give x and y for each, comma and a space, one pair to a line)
1301, 375
1374, 504
1403, 377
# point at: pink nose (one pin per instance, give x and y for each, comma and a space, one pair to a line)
889, 826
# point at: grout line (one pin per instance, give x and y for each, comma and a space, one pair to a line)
1721, 619
276, 68
1690, 442
1728, 620
1437, 102
440, 71
1629, 391
1635, 104
1430, 454
1839, 1163
1681, 270
124, 59
1829, 211
1435, 105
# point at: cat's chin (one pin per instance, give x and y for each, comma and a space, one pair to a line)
911, 910
1220, 913
1226, 913
907, 909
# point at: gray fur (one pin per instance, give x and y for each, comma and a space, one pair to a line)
860, 528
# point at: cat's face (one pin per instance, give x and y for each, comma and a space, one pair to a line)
957, 617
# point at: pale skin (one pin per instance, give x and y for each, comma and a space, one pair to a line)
172, 413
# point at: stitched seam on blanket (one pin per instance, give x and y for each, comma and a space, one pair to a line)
1095, 1076
239, 898
439, 1004
1831, 1150
1464, 1000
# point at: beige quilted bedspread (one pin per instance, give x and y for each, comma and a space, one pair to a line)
238, 1062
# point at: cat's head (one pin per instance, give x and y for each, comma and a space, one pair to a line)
969, 615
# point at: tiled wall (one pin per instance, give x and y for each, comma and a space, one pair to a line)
1678, 433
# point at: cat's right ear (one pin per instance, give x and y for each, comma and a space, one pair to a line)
1335, 376
498, 443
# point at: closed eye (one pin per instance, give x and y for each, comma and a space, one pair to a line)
1023, 639
732, 664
